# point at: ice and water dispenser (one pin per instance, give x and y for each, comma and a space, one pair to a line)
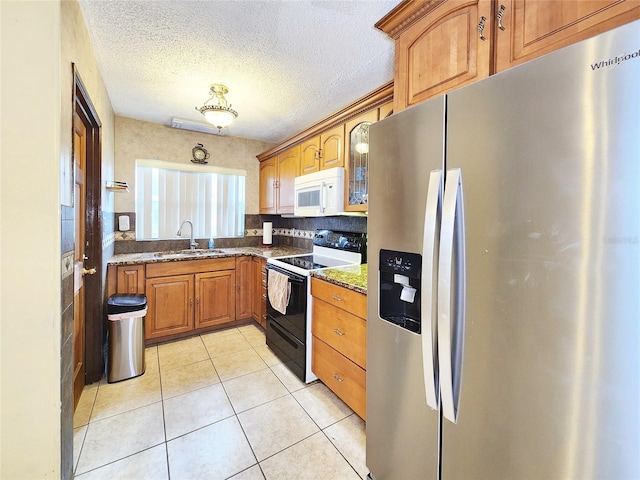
399, 294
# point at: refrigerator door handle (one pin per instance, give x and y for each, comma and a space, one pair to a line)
451, 294
429, 266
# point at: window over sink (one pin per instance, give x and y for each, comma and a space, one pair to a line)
213, 198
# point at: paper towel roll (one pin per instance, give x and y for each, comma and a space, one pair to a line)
267, 232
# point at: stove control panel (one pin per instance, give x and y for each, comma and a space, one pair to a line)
349, 241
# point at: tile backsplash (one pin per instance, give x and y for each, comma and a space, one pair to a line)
296, 232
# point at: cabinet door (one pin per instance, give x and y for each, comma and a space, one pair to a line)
259, 309
310, 156
130, 279
288, 169
535, 27
244, 287
215, 298
356, 174
442, 51
332, 148
170, 305
268, 186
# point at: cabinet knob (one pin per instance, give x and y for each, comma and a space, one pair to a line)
338, 331
336, 298
338, 378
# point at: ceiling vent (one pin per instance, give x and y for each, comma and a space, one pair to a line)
184, 124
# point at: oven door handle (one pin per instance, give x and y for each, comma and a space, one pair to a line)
293, 277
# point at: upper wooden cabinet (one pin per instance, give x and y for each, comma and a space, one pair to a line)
288, 170
332, 148
321, 146
531, 28
445, 44
310, 155
439, 51
356, 179
276, 181
385, 110
268, 186
322, 151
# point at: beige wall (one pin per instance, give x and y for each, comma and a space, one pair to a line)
143, 140
38, 39
30, 222
76, 48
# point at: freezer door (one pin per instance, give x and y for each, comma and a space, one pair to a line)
550, 160
402, 431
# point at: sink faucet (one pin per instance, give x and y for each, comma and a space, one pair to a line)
192, 244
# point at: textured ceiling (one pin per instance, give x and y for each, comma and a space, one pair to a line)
287, 64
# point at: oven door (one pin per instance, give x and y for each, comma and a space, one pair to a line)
286, 333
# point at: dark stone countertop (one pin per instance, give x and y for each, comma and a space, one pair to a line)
353, 277
182, 255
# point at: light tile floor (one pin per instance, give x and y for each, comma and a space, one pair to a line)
216, 406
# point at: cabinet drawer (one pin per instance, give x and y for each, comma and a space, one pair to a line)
341, 330
340, 297
345, 378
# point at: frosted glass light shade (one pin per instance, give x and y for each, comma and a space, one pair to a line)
219, 117
216, 110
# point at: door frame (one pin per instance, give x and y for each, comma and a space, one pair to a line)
93, 284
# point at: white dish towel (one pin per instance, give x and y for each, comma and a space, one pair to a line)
279, 290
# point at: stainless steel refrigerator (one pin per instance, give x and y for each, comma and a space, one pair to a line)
503, 330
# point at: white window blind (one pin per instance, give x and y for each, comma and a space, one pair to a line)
213, 198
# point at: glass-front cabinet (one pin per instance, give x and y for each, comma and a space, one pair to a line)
357, 171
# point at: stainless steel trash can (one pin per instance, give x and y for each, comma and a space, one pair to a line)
125, 313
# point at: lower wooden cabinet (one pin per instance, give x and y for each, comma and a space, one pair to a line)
194, 295
342, 376
170, 305
259, 303
189, 295
215, 298
244, 287
345, 332
339, 342
130, 279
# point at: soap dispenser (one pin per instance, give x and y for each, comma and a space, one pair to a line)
211, 244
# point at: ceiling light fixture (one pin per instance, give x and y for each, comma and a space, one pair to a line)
216, 110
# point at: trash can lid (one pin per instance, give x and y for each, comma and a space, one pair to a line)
126, 302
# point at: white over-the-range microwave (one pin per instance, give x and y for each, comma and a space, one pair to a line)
319, 194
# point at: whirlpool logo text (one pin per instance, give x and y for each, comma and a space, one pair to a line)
615, 61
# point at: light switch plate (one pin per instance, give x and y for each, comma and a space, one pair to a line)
123, 223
